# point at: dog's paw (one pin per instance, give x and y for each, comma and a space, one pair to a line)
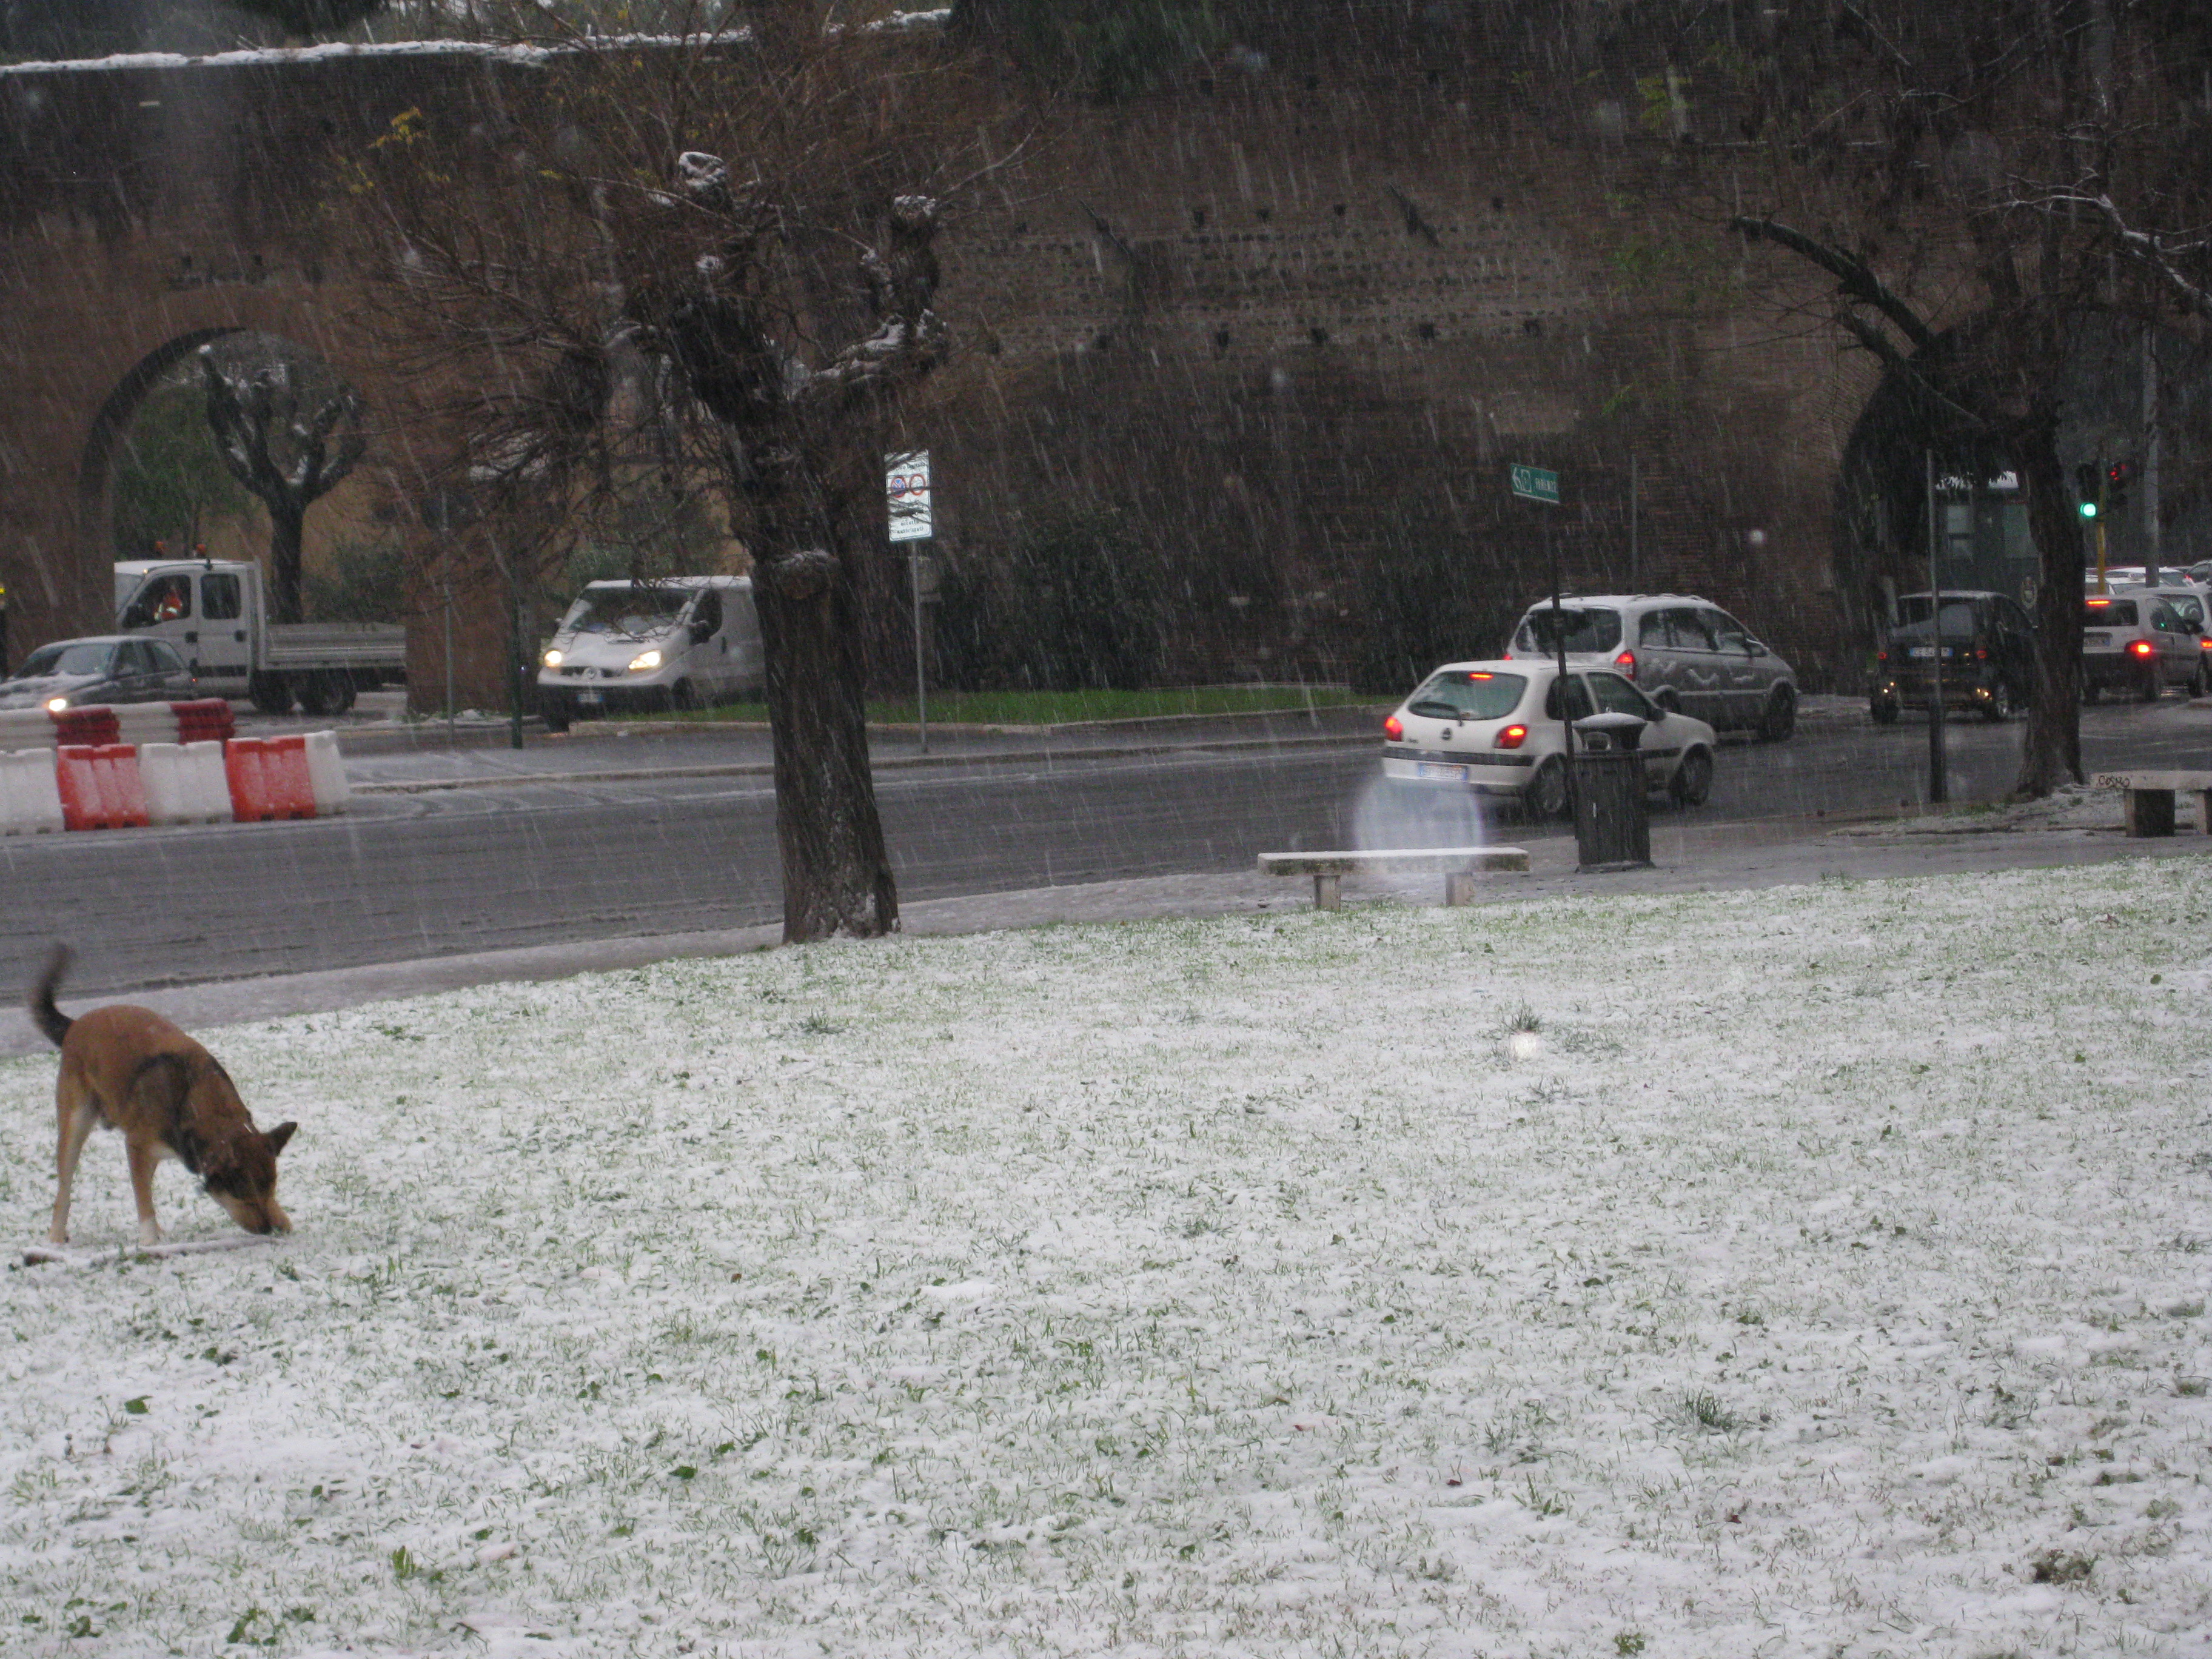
150, 1234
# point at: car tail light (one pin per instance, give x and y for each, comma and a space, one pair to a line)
2139, 647
1625, 662
1981, 653
1394, 728
1881, 656
1512, 736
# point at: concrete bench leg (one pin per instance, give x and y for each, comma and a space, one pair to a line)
1326, 895
2204, 812
2149, 813
1459, 889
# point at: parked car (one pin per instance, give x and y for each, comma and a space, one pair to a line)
681, 643
2143, 640
106, 669
1496, 729
1987, 646
1685, 653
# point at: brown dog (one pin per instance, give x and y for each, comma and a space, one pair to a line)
128, 1068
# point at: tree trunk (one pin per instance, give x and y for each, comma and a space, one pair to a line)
837, 877
287, 521
2052, 752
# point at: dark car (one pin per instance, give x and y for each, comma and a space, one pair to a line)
1987, 646
71, 674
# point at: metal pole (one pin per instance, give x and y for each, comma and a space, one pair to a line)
1635, 577
451, 734
920, 674
2151, 548
1939, 789
1559, 656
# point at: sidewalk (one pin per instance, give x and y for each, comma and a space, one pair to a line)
1770, 853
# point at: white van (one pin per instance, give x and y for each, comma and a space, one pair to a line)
681, 642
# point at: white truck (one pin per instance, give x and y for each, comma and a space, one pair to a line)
212, 611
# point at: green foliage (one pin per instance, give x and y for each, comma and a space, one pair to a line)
168, 484
363, 582
1113, 50
1074, 605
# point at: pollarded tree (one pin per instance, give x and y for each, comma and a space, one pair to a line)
290, 429
723, 248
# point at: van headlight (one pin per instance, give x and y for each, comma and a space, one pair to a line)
551, 658
645, 662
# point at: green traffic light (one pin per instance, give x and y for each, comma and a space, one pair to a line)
2088, 509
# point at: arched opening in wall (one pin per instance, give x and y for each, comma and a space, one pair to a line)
234, 444
2129, 393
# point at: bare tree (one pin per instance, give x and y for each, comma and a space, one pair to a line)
289, 429
723, 248
1969, 179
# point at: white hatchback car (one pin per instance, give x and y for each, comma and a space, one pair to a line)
1495, 728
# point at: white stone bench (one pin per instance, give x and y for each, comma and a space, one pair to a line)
2148, 799
1458, 865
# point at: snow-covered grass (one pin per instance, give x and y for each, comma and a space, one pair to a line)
1828, 1278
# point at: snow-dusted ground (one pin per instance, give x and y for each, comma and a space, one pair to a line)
1831, 1282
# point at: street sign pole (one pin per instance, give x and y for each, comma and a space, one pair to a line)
906, 491
1540, 485
1939, 783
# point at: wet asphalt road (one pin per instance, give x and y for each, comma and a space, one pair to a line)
407, 876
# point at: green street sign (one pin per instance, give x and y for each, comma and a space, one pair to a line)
1534, 483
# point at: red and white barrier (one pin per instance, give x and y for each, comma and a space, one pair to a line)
197, 721
185, 783
30, 799
112, 785
100, 786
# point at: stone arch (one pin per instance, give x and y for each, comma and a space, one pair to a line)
1881, 508
111, 421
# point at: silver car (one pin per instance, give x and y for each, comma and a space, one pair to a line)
107, 669
1682, 652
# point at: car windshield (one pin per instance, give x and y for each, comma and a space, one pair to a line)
636, 611
1958, 616
2113, 613
67, 657
1576, 627
1465, 694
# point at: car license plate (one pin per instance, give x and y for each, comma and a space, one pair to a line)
1920, 651
1440, 771
590, 698
2096, 639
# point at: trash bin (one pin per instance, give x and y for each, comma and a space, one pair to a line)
1612, 828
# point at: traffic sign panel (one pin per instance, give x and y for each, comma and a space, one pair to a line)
1535, 483
906, 487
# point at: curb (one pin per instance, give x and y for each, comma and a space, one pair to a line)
895, 764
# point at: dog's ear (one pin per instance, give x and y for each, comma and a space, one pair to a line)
277, 1136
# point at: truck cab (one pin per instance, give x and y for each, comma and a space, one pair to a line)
209, 609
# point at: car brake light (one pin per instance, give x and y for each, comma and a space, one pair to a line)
2139, 647
1625, 662
1881, 656
1512, 736
1981, 653
1394, 728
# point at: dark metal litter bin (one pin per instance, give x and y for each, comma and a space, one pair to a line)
1613, 826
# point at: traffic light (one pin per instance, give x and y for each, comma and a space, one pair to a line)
2088, 487
2119, 478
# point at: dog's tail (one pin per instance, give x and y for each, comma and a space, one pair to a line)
48, 1018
